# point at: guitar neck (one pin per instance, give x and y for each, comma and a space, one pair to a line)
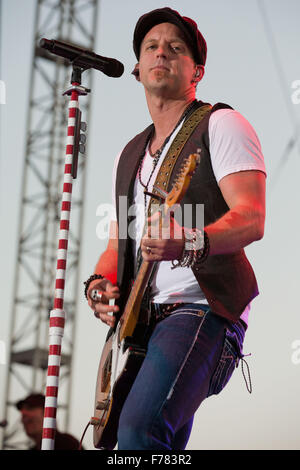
132, 308
130, 316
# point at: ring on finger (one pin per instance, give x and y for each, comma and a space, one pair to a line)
96, 295
148, 249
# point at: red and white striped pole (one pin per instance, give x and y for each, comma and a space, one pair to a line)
57, 315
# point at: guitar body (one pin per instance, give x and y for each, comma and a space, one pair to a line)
116, 374
125, 350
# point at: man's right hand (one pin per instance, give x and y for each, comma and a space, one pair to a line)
101, 308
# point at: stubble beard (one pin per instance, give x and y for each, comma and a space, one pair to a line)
160, 82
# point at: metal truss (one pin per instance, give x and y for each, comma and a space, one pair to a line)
72, 21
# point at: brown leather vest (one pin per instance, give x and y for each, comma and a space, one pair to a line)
228, 280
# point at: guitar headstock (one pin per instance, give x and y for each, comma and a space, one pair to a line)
182, 181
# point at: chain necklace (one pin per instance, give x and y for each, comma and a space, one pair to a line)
157, 154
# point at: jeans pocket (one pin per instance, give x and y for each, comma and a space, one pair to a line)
225, 367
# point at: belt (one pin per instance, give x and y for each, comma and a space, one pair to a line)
161, 311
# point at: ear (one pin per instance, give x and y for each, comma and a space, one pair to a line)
199, 72
136, 72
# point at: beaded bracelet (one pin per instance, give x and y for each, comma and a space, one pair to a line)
192, 254
93, 277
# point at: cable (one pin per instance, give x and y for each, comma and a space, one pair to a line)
293, 140
282, 161
83, 434
277, 61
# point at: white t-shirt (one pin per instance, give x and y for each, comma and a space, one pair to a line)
234, 146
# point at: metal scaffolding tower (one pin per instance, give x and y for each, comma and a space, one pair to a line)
72, 21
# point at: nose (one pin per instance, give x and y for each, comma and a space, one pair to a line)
161, 50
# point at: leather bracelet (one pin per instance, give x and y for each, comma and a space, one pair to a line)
93, 277
206, 249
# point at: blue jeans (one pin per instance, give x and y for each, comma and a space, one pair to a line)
191, 355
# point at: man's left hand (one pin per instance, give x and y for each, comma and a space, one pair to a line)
164, 240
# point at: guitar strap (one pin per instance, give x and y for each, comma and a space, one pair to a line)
163, 179
165, 171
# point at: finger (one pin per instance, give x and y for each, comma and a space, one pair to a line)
147, 242
96, 286
154, 232
98, 296
108, 319
104, 308
146, 249
113, 291
155, 245
154, 225
150, 257
154, 218
104, 297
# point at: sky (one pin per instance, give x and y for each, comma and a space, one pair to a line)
253, 65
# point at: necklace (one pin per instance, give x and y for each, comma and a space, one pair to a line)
157, 154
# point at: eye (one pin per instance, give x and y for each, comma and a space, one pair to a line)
150, 47
176, 47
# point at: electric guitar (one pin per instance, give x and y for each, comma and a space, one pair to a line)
121, 360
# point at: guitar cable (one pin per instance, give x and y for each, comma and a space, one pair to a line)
82, 437
94, 422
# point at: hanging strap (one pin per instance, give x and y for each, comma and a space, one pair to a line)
167, 166
164, 175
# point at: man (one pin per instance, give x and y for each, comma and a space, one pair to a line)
32, 415
198, 311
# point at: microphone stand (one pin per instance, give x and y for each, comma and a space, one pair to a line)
75, 142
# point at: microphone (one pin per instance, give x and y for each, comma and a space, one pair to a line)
83, 57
